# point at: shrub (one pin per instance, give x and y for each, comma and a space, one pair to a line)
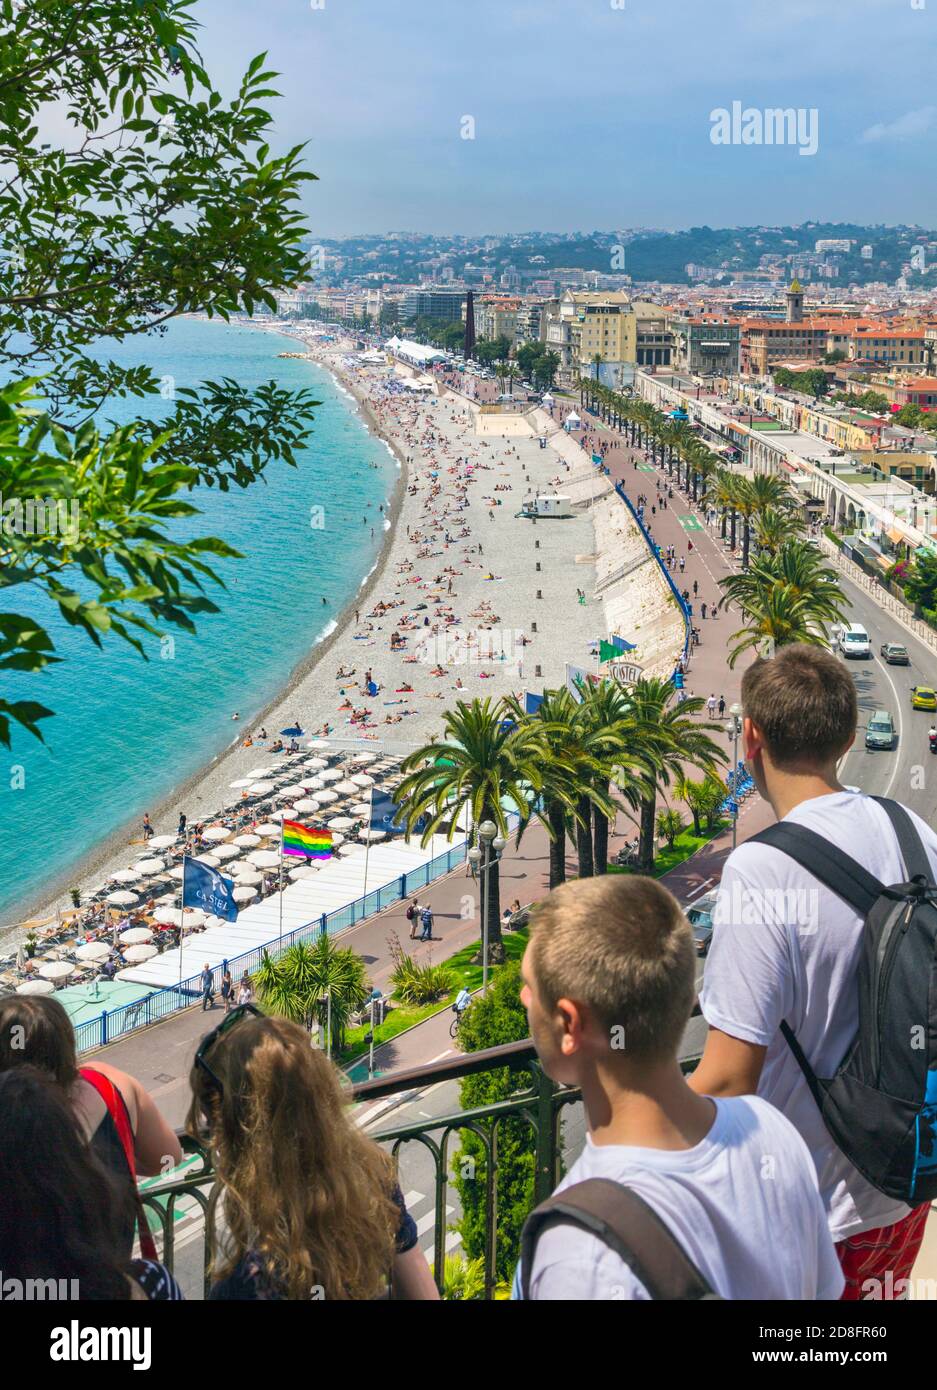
415, 983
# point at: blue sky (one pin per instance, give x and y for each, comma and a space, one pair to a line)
588, 115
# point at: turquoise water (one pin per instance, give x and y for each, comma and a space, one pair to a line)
127, 730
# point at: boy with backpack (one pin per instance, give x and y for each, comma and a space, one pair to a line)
413, 916
821, 969
676, 1196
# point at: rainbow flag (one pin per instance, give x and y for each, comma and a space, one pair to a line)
309, 844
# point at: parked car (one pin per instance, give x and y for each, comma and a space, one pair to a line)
880, 730
923, 697
699, 916
895, 654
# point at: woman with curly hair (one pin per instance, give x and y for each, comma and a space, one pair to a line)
312, 1208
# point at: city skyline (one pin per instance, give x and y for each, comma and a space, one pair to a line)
592, 115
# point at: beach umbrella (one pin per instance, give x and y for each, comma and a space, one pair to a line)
94, 951
211, 860
318, 743
340, 823
177, 873
150, 866
287, 793
294, 731
121, 898
316, 764
332, 774
311, 784
136, 954
212, 921
246, 841
36, 987
360, 808
124, 876
246, 877
347, 788
304, 871
325, 798
216, 833
193, 917
264, 858
167, 916
256, 772
363, 779
136, 936
260, 788
241, 782
226, 852
372, 836
268, 829
305, 806
364, 758
55, 969
346, 849
337, 838
162, 841
244, 894
276, 816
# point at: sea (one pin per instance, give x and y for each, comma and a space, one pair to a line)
127, 730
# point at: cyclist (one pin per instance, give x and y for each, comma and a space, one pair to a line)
462, 1001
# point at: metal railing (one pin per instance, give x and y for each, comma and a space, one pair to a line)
538, 1102
655, 552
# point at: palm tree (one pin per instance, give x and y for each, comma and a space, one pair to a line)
309, 984
618, 739
756, 495
791, 596
674, 741
565, 767
725, 495
773, 527
669, 825
485, 759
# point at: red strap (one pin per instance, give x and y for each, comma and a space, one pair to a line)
117, 1109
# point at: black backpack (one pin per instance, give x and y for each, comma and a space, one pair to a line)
881, 1105
626, 1224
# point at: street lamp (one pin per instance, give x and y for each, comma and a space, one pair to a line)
493, 842
736, 712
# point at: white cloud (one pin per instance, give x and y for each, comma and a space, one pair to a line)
907, 127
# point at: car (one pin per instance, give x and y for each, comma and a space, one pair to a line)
880, 730
854, 641
923, 697
700, 917
894, 654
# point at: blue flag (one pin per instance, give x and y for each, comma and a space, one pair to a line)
621, 645
532, 702
204, 887
596, 458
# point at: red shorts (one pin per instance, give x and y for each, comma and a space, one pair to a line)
875, 1261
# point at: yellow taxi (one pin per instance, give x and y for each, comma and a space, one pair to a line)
923, 697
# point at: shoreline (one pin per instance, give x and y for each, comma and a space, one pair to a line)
94, 861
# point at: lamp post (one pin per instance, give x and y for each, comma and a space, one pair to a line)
736, 713
492, 842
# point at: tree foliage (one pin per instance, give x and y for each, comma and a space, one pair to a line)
161, 198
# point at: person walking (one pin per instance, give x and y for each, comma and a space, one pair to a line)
147, 827
426, 919
722, 706
245, 990
682, 563
413, 916
227, 989
183, 821
703, 609
711, 706
207, 985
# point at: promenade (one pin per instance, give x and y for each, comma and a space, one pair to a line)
161, 1057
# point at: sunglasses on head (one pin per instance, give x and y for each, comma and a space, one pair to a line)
209, 1040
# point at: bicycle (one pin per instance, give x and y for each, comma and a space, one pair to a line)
454, 1025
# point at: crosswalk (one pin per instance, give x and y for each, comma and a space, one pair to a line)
422, 1207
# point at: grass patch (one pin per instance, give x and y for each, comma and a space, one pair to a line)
685, 845
403, 1016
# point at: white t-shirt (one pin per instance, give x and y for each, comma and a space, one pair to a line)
786, 948
743, 1204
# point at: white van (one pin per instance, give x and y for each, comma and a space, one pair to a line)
855, 641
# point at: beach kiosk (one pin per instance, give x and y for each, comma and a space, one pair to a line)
572, 421
546, 504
